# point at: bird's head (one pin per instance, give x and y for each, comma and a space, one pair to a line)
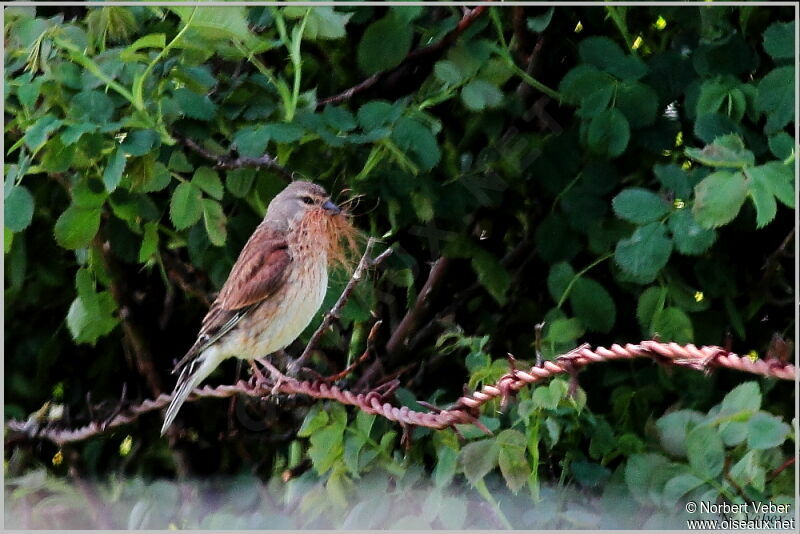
307, 208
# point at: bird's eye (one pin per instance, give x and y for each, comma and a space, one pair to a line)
307, 200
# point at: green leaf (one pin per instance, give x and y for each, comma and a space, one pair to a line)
195, 106
638, 102
325, 23
705, 451
17, 208
492, 275
179, 163
781, 145
725, 151
8, 240
609, 133
645, 253
112, 175
153, 40
411, 135
217, 22
149, 241
89, 321
779, 40
327, 446
140, 142
93, 106
775, 178
214, 220
607, 56
558, 279
480, 94
764, 201
689, 237
540, 23
564, 330
673, 429
251, 142
672, 324
315, 419
679, 486
77, 226
776, 98
765, 431
185, 208
639, 206
743, 398
650, 302
208, 180
718, 198
593, 305
447, 72
384, 44
89, 193
511, 458
640, 471
36, 135
240, 181
674, 179
478, 458
57, 156
375, 114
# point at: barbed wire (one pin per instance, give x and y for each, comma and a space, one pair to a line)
464, 411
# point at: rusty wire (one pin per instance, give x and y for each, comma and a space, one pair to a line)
464, 411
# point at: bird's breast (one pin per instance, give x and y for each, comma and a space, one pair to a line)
282, 317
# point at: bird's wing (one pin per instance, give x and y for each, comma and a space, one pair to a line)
258, 272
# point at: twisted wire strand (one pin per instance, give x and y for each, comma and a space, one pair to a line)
464, 411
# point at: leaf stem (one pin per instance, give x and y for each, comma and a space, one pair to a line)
575, 278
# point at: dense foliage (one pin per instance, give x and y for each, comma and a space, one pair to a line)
616, 173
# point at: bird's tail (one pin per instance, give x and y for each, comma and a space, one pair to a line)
194, 372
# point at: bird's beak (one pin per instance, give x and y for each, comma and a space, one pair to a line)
331, 208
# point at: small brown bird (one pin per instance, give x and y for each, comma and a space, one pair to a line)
275, 287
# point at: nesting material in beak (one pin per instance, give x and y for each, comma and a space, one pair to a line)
331, 208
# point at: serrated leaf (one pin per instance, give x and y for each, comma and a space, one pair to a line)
776, 98
215, 221
76, 227
36, 135
208, 180
639, 206
558, 279
564, 330
384, 44
185, 208
149, 241
17, 208
178, 162
645, 253
608, 133
593, 305
689, 237
776, 178
764, 202
779, 40
478, 458
650, 302
112, 175
511, 458
413, 136
240, 181
195, 106
705, 451
718, 198
140, 142
606, 55
765, 431
726, 151
672, 324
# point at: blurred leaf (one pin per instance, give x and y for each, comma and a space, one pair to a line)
689, 237
215, 221
608, 133
384, 44
208, 180
593, 305
17, 208
76, 227
112, 175
478, 458
480, 94
705, 452
725, 151
765, 431
511, 458
195, 106
672, 324
540, 23
779, 40
776, 98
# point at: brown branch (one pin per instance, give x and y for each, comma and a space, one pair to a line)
429, 52
464, 411
229, 162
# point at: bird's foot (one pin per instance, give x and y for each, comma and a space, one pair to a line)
277, 376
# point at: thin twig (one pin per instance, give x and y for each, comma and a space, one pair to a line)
365, 263
229, 162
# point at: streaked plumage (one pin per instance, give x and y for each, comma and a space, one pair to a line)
273, 290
